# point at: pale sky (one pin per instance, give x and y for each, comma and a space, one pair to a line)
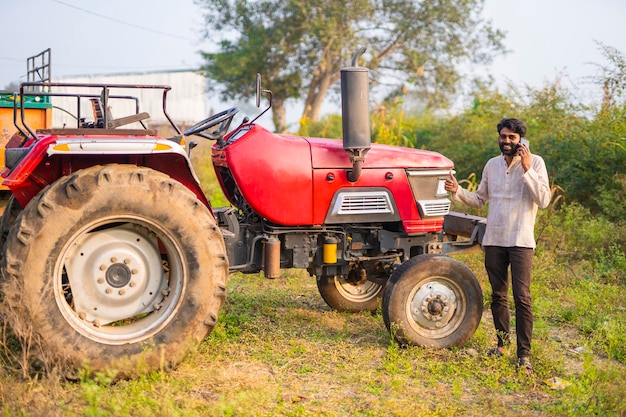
546, 37
552, 37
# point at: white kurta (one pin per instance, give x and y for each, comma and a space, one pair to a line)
513, 196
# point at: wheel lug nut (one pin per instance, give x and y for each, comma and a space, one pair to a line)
100, 280
113, 259
103, 267
126, 261
134, 271
108, 291
122, 292
132, 284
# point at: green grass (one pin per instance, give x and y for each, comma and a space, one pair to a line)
279, 350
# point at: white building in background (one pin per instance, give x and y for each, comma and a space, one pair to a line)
187, 101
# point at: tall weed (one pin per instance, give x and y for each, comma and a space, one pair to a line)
581, 236
585, 279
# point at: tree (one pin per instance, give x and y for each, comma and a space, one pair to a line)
611, 77
300, 45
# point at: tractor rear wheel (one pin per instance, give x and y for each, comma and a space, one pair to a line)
343, 295
432, 300
114, 268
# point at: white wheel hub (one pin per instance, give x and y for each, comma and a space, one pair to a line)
433, 305
115, 274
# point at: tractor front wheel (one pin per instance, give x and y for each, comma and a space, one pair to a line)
432, 300
114, 268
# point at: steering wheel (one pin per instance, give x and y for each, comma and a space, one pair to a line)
221, 119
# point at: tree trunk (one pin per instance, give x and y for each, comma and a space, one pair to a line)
279, 115
322, 78
320, 83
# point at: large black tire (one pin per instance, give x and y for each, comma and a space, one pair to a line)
432, 300
353, 297
114, 268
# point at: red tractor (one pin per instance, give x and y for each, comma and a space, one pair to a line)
114, 258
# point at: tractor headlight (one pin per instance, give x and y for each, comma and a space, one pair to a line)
429, 190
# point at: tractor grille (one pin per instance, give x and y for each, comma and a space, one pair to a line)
434, 207
363, 203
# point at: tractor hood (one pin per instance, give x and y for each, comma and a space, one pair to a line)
329, 153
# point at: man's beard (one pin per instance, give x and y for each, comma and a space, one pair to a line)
510, 152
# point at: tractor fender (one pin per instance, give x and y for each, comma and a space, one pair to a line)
53, 156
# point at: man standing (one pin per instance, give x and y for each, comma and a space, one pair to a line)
515, 184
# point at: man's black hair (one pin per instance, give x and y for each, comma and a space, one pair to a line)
514, 125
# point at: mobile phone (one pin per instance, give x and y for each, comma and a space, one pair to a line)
524, 141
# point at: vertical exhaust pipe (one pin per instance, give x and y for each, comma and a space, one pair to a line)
355, 114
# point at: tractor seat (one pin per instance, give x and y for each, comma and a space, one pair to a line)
98, 115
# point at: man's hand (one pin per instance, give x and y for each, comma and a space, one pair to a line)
526, 156
451, 184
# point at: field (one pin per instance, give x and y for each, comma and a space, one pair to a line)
279, 350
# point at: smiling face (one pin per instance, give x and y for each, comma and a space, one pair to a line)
508, 141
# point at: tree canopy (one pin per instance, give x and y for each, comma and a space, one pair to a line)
299, 46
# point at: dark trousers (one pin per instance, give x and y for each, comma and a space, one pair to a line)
497, 262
